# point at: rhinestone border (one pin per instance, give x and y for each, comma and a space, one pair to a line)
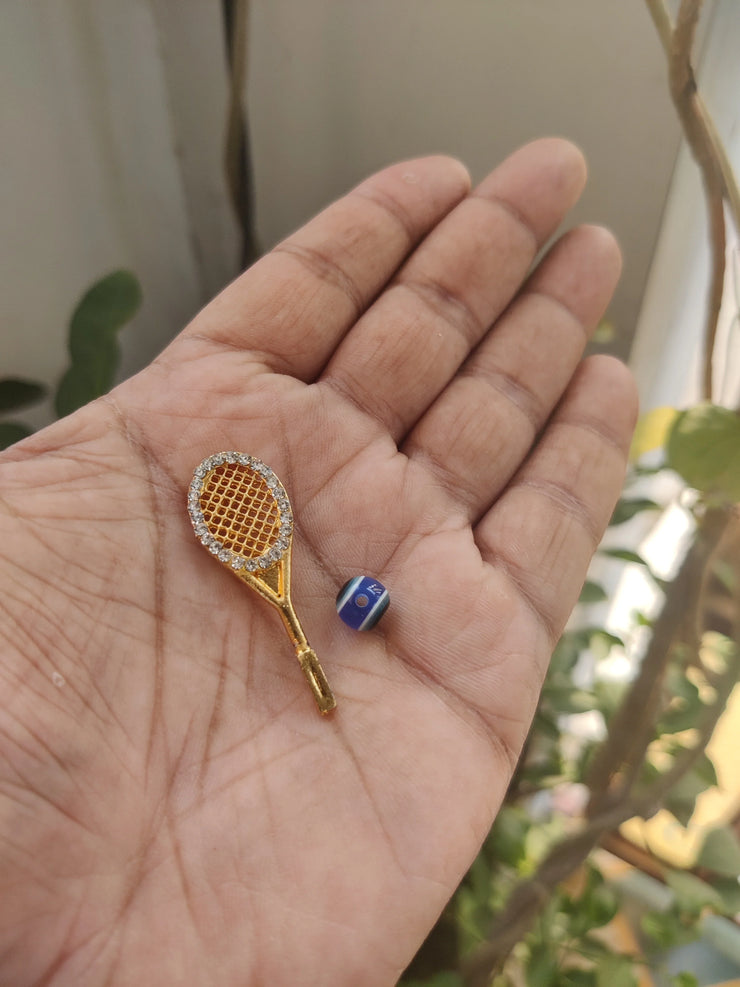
209, 541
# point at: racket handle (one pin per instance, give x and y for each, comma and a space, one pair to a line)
317, 680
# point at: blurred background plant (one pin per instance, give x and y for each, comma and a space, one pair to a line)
569, 888
94, 354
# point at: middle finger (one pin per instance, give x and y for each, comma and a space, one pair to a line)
409, 344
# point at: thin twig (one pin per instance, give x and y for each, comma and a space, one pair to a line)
718, 179
659, 12
237, 157
684, 93
730, 189
718, 243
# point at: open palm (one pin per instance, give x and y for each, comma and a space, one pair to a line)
173, 810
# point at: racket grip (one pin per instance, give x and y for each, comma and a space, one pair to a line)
317, 680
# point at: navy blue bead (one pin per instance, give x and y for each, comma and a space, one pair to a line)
361, 602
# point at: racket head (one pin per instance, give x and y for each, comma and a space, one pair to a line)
240, 511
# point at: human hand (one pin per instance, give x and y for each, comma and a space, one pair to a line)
173, 810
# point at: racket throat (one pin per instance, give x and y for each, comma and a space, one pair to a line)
273, 579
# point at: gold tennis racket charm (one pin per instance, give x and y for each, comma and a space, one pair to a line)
241, 514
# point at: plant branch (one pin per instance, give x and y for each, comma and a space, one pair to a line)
711, 140
237, 157
625, 744
659, 13
529, 897
624, 747
719, 182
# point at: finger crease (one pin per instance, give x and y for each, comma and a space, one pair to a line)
505, 206
511, 389
369, 404
392, 208
448, 306
447, 479
559, 304
567, 502
535, 605
602, 431
322, 266
264, 361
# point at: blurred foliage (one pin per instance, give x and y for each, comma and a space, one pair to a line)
553, 794
603, 748
93, 350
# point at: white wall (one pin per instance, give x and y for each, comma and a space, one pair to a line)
112, 117
668, 351
339, 87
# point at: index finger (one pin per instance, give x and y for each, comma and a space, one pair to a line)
293, 306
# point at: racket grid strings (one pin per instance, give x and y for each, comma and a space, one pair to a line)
240, 510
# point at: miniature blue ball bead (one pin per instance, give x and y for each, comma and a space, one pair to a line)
361, 602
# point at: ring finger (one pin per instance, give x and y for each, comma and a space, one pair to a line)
480, 429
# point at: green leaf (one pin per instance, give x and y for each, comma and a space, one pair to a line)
76, 388
12, 432
652, 431
104, 309
478, 879
683, 687
595, 907
565, 698
93, 343
681, 716
577, 977
508, 836
615, 971
601, 907
609, 695
607, 638
728, 889
601, 643
705, 769
566, 654
721, 650
592, 593
692, 894
724, 572
664, 928
704, 448
720, 852
546, 726
681, 799
627, 509
684, 979
624, 554
605, 332
447, 978
593, 913
542, 967
17, 393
